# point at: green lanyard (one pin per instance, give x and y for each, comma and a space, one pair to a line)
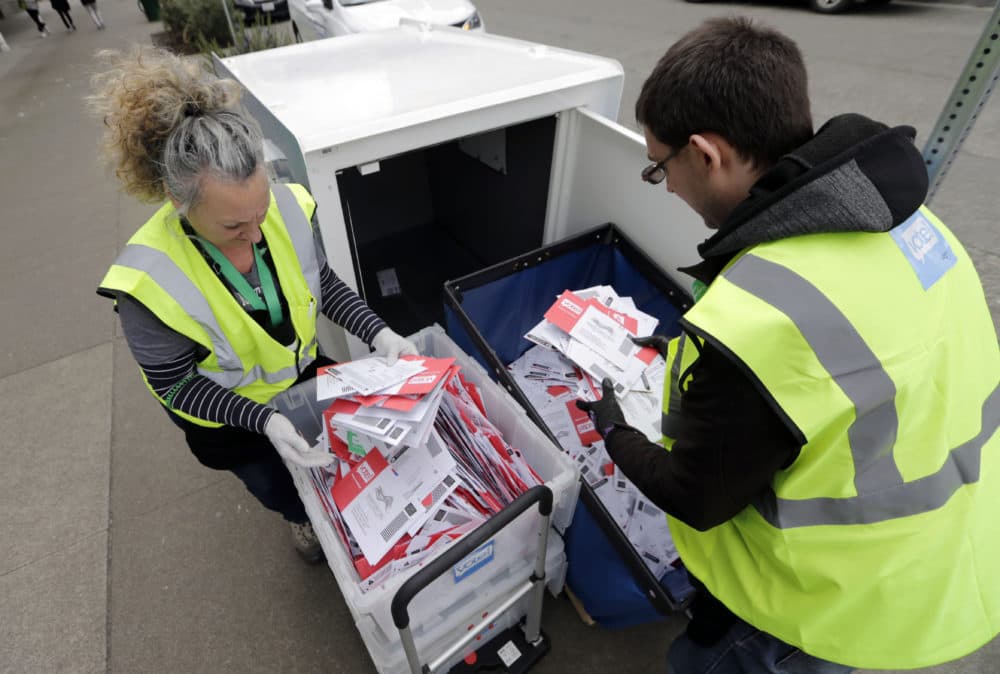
270, 302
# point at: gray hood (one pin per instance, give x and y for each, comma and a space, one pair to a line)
855, 175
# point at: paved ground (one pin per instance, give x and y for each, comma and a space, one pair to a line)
119, 552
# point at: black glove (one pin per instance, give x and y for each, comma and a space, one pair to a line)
605, 412
658, 342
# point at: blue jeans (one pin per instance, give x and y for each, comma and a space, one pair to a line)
745, 650
269, 481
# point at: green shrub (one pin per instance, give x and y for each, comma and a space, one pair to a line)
190, 24
199, 26
256, 37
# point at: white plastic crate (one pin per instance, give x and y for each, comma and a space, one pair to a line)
444, 610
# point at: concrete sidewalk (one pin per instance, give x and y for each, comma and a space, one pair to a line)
119, 551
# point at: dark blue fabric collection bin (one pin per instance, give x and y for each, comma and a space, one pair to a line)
488, 312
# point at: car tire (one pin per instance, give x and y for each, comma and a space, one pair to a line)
830, 6
296, 34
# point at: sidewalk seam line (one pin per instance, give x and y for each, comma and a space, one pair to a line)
82, 539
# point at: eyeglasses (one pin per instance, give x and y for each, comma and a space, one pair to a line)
656, 173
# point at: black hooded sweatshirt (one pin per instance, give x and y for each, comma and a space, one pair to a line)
855, 175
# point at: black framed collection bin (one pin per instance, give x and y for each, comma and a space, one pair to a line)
488, 312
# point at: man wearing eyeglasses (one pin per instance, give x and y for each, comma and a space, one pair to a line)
831, 409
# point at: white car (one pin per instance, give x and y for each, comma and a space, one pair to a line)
316, 19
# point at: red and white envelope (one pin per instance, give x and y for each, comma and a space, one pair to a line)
424, 382
569, 308
583, 424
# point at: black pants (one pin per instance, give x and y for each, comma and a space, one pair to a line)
33, 13
66, 18
270, 483
250, 457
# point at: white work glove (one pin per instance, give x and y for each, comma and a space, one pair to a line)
387, 343
292, 446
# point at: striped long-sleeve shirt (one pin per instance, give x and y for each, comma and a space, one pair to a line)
168, 358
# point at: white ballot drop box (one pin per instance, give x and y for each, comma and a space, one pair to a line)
433, 153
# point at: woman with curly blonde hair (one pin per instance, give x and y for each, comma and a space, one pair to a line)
218, 291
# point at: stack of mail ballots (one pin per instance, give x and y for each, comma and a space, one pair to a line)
417, 462
585, 337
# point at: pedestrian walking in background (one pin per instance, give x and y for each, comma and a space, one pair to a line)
91, 7
31, 7
62, 9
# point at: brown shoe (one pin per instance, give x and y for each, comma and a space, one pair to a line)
306, 543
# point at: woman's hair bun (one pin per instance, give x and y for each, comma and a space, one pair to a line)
143, 96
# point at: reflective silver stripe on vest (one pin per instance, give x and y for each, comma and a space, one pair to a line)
910, 498
844, 354
882, 494
232, 379
670, 420
165, 273
301, 234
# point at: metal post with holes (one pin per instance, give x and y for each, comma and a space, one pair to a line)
971, 91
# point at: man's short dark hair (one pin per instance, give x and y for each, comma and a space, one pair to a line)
746, 83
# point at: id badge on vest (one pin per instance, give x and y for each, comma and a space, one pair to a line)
925, 248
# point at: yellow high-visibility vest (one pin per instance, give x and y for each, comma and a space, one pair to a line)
878, 546
163, 270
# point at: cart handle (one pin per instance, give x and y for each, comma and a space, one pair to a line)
540, 494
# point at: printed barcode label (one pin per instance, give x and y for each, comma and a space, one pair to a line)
395, 525
509, 653
373, 421
438, 492
396, 432
626, 347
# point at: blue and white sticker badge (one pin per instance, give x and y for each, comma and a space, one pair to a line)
925, 247
473, 562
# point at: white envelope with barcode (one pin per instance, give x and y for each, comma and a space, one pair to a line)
379, 501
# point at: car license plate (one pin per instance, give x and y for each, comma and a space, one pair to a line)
268, 7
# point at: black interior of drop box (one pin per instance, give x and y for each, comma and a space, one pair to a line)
437, 213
